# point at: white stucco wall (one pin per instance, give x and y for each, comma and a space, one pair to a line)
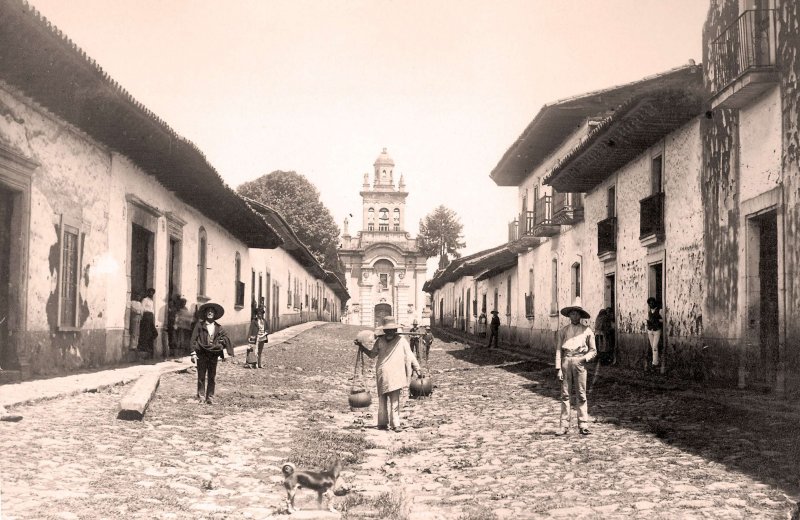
759, 145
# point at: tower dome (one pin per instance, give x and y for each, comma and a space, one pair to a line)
384, 171
384, 159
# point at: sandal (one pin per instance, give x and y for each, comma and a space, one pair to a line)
584, 431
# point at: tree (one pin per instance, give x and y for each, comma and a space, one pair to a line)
297, 199
440, 234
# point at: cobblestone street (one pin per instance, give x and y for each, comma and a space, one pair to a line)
482, 447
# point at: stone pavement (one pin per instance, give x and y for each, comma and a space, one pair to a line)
481, 448
27, 392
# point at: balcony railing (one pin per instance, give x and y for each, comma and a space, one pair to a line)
567, 208
543, 225
521, 226
746, 45
513, 230
607, 236
651, 215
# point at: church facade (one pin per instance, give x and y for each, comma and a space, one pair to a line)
384, 269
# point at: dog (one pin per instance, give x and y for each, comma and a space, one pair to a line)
323, 482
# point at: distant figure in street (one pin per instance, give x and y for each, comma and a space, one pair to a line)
575, 347
602, 328
482, 324
393, 369
258, 333
183, 326
209, 343
494, 329
135, 320
611, 334
147, 327
172, 311
654, 326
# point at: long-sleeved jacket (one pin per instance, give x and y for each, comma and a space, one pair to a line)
218, 344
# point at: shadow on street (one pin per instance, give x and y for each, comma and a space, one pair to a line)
764, 447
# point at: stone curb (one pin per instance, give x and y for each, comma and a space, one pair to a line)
136, 400
30, 392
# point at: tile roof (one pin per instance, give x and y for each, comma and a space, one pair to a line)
49, 68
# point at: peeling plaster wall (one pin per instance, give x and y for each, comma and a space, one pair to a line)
789, 70
720, 191
82, 180
70, 180
681, 251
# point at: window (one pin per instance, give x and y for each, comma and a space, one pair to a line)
508, 296
289, 292
397, 227
576, 280
383, 220
529, 296
611, 205
657, 173
483, 303
371, 214
397, 216
239, 284
554, 288
370, 227
202, 252
69, 273
384, 281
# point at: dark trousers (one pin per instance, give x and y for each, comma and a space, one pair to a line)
495, 334
206, 364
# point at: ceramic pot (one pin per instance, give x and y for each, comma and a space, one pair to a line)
359, 398
421, 386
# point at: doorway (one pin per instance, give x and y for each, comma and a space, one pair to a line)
381, 311
7, 353
609, 297
762, 274
141, 260
174, 268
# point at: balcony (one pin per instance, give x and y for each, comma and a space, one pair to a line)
543, 225
567, 208
742, 59
520, 233
607, 239
651, 223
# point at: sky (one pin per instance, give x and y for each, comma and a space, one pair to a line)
321, 87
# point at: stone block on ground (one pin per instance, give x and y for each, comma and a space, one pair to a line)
134, 403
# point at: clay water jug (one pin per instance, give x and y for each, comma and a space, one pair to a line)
421, 386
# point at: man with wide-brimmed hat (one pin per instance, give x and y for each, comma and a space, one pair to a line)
393, 369
209, 343
575, 346
494, 329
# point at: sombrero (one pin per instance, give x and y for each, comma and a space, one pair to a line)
495, 312
390, 324
218, 310
566, 310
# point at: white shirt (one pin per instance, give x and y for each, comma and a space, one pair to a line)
211, 327
147, 305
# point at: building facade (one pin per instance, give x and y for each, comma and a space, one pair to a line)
101, 201
385, 272
681, 186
